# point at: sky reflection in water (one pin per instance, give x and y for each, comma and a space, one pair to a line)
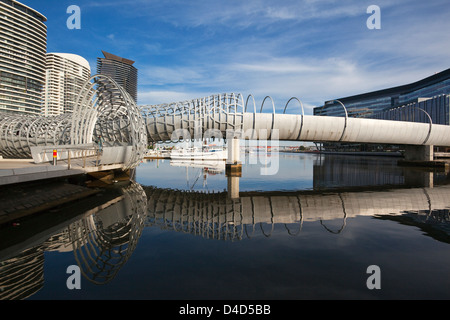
294, 235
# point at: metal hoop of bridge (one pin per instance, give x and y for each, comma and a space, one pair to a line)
301, 105
273, 114
430, 123
303, 114
254, 110
254, 103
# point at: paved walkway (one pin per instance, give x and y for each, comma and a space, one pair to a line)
25, 170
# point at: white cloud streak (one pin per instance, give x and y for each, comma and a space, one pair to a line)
315, 50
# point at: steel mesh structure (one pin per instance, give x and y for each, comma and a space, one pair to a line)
20, 132
194, 118
102, 108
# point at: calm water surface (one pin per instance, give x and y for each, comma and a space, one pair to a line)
304, 226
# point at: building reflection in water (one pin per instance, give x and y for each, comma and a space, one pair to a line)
337, 171
103, 237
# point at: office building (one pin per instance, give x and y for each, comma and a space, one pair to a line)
65, 75
121, 70
23, 45
430, 94
418, 101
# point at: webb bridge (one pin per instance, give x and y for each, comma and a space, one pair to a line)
103, 108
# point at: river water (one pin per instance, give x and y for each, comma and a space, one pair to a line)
292, 226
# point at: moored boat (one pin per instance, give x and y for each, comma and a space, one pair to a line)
206, 153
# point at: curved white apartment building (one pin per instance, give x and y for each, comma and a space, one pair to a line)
65, 75
23, 45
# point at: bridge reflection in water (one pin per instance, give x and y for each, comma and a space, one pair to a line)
103, 237
216, 216
102, 234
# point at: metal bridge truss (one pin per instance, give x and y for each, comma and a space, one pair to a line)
20, 132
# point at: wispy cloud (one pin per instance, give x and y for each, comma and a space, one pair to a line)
154, 97
156, 75
313, 49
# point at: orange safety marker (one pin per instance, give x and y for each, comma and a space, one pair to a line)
55, 155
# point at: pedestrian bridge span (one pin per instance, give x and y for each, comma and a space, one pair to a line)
103, 108
227, 115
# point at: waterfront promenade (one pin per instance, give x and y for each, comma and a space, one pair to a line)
25, 170
22, 181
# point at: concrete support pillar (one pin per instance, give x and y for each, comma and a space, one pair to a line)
422, 156
233, 187
233, 146
233, 168
233, 164
419, 153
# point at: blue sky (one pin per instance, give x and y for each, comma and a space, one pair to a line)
314, 50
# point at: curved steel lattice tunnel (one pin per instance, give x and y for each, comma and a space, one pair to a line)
220, 115
194, 119
103, 108
20, 132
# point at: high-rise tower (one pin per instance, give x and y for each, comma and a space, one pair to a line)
65, 75
23, 45
121, 70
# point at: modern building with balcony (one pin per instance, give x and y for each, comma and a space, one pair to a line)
121, 70
65, 75
23, 45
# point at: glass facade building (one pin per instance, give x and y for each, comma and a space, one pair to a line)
23, 45
376, 104
429, 97
437, 108
121, 70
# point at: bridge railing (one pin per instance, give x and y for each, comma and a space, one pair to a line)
69, 153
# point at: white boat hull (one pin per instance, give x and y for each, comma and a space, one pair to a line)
214, 165
199, 155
